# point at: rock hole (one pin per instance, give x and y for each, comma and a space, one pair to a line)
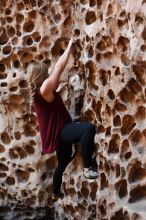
123, 14
29, 41
93, 189
57, 18
67, 22
123, 43
22, 175
32, 14
2, 175
108, 55
29, 131
2, 149
4, 84
21, 152
16, 64
91, 67
103, 77
29, 149
101, 45
7, 50
118, 170
124, 148
20, 6
92, 3
138, 20
36, 36
137, 172
117, 121
8, 12
119, 215
13, 154
15, 40
59, 46
144, 33
90, 17
27, 57
100, 129
128, 155
117, 71
96, 106
19, 18
109, 10
15, 99
17, 135
135, 216
99, 3
108, 131
83, 2
136, 137
89, 115
143, 48
90, 52
3, 167
140, 74
2, 67
87, 38
23, 83
77, 32
102, 209
125, 60
121, 23
120, 107
84, 192
126, 96
9, 19
41, 57
111, 94
3, 36
114, 144
14, 75
134, 86
141, 113
14, 88
121, 188
10, 31
128, 123
3, 22
28, 26
3, 4
98, 57
138, 193
10, 180
104, 182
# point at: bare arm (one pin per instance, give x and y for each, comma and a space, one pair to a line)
52, 81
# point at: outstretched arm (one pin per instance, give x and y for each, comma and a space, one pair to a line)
52, 81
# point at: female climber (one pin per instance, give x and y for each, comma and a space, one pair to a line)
57, 130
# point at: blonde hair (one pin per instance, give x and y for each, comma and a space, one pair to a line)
36, 74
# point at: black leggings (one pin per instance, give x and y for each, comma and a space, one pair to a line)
71, 133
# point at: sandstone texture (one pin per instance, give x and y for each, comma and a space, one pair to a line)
106, 76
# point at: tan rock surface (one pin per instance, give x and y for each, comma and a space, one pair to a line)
106, 74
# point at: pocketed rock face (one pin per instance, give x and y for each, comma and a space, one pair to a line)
106, 77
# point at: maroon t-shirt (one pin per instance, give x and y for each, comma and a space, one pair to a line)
51, 118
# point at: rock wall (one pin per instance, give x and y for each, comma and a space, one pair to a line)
106, 86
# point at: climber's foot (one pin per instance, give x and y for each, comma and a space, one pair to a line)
90, 173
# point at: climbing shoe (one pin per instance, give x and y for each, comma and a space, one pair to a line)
90, 173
